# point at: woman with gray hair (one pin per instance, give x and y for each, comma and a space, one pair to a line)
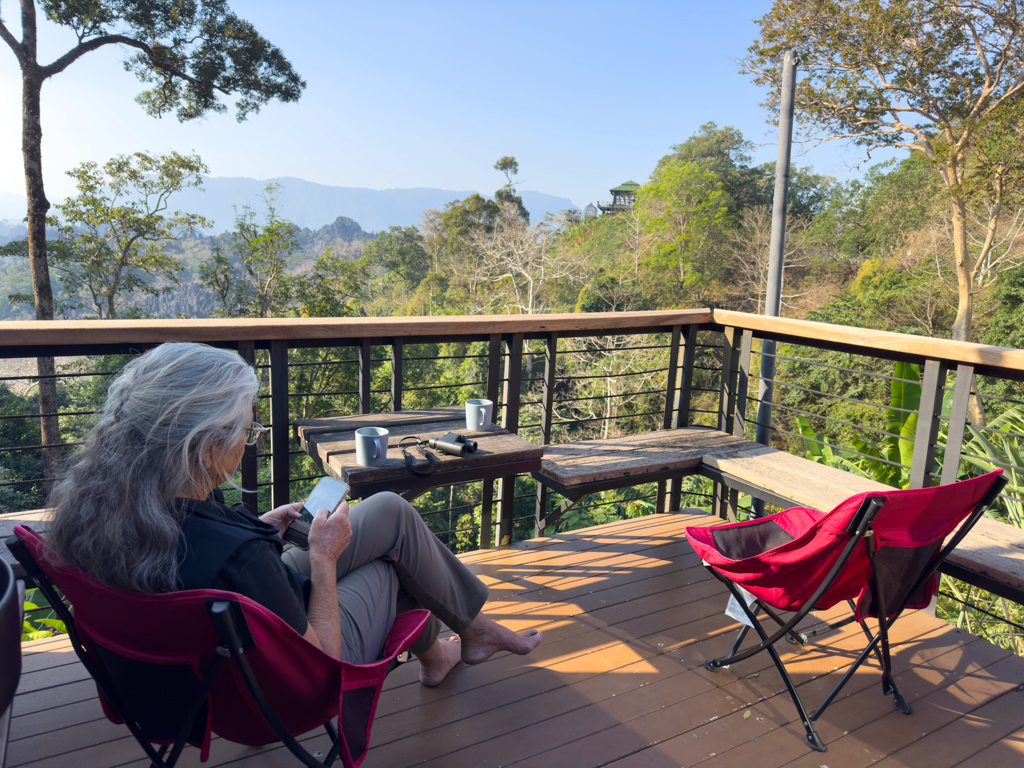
141, 509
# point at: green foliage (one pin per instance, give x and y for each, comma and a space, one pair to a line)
1006, 330
256, 283
886, 459
681, 206
1000, 445
400, 250
507, 194
113, 232
724, 153
19, 466
190, 53
39, 624
332, 288
976, 611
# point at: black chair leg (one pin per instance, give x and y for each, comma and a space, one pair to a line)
160, 753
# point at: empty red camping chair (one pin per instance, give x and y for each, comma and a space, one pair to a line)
878, 551
178, 667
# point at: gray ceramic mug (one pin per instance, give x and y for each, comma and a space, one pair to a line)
478, 414
371, 446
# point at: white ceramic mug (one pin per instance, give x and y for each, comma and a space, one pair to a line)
478, 414
371, 446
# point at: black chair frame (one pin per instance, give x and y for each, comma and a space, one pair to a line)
229, 620
878, 642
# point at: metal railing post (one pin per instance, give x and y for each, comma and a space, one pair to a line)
280, 435
365, 377
250, 461
396, 375
727, 386
957, 423
681, 404
510, 421
546, 417
742, 385
922, 465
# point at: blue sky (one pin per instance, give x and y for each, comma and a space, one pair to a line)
429, 94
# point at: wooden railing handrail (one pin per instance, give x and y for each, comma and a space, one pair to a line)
69, 332
870, 342
873, 343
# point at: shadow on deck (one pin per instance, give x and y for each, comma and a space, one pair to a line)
629, 617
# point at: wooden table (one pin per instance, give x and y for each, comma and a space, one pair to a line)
331, 444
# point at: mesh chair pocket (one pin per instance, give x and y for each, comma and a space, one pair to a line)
155, 695
898, 568
743, 541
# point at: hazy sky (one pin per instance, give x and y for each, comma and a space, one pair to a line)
586, 95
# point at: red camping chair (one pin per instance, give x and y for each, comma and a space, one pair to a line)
878, 551
177, 667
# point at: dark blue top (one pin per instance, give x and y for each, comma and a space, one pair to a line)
231, 549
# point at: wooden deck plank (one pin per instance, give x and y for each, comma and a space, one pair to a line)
629, 618
964, 738
1007, 752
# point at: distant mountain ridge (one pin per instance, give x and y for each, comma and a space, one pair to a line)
313, 205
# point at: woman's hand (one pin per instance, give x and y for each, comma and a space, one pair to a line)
329, 536
283, 516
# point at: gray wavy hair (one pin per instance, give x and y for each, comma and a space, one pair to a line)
166, 411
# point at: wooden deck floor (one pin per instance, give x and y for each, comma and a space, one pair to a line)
629, 617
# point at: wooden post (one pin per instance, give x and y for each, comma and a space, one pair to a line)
726, 409
681, 406
727, 386
494, 371
396, 375
486, 515
742, 384
250, 461
365, 377
547, 399
280, 434
671, 380
510, 421
513, 383
922, 465
957, 423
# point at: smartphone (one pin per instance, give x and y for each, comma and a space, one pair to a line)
328, 494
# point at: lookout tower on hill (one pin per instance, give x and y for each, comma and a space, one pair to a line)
623, 198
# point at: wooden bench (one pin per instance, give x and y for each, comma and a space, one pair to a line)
992, 556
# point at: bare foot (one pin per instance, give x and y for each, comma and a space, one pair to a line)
484, 638
439, 660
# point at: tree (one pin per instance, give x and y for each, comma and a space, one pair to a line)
518, 259
939, 77
400, 250
750, 243
260, 285
682, 205
507, 194
113, 231
725, 153
190, 52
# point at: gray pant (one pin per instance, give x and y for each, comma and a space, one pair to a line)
394, 564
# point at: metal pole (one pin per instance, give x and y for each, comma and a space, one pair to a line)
773, 296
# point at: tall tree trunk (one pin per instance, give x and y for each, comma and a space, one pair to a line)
964, 322
38, 205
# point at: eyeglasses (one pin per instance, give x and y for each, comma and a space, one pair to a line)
253, 432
